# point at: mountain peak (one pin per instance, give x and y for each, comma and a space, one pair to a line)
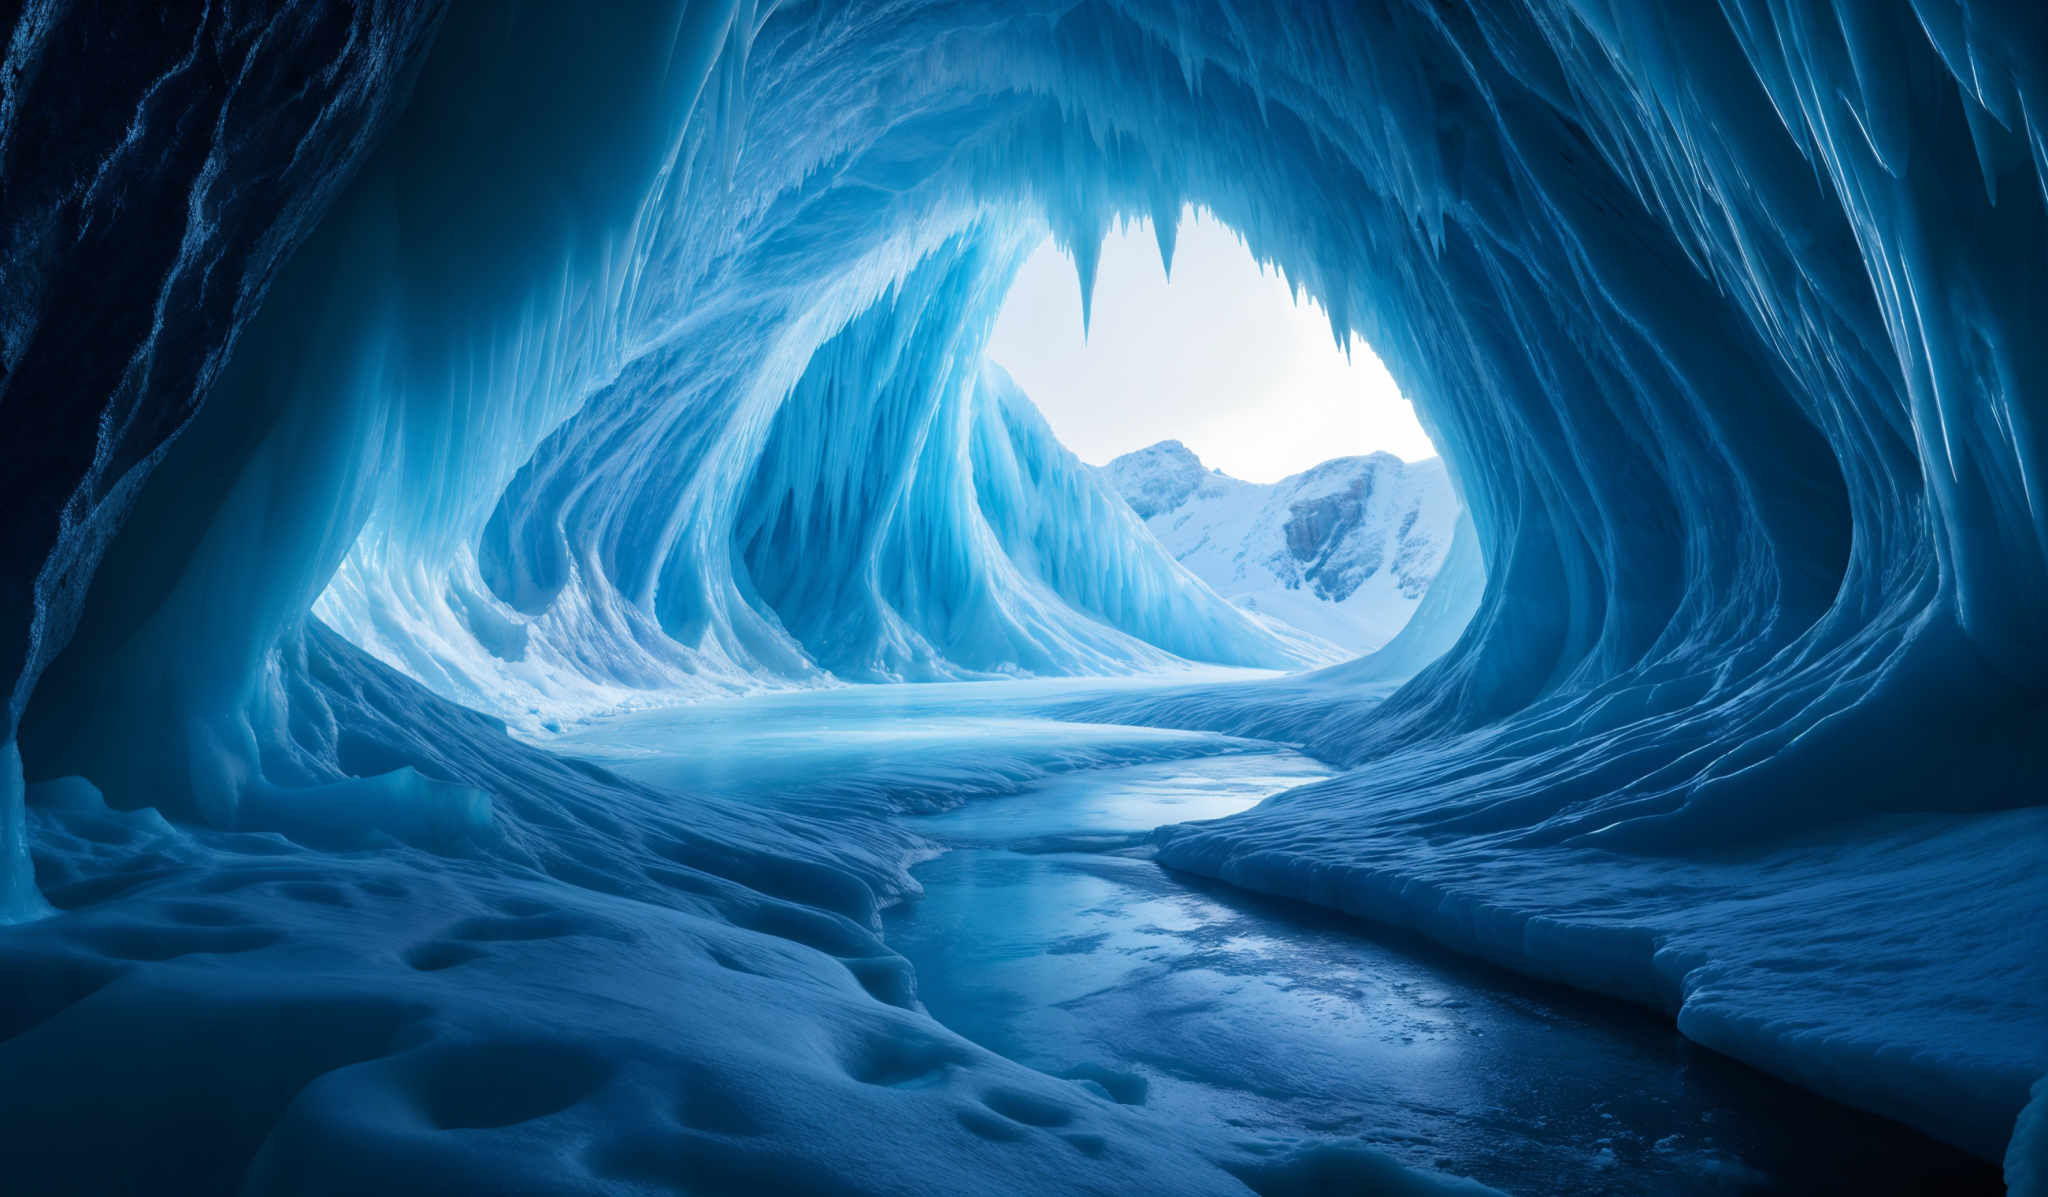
1166, 449
1158, 478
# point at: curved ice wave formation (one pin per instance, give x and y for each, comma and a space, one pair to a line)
1722, 316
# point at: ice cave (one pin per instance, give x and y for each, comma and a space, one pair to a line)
545, 655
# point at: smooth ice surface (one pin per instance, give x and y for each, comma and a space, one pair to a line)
1045, 932
1892, 965
884, 751
1034, 937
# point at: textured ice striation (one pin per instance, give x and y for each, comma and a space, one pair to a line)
639, 354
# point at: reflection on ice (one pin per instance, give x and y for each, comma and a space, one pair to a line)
1046, 932
888, 749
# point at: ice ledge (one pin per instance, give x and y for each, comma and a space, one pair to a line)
1878, 966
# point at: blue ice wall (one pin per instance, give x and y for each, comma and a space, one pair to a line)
145, 215
912, 517
502, 420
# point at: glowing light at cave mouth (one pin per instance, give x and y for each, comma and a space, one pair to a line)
1219, 352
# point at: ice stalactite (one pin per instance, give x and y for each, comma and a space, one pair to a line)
912, 516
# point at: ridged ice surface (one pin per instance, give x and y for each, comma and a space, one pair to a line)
640, 356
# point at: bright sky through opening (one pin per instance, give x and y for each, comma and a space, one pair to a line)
1223, 360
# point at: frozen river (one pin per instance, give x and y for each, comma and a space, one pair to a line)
1046, 932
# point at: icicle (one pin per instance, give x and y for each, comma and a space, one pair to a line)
1087, 253
1166, 230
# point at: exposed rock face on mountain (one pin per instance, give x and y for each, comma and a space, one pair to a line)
1344, 550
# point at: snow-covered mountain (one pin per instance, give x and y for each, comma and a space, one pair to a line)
1343, 551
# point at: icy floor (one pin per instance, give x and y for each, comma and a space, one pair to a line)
1046, 933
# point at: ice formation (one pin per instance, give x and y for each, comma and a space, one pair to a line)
560, 358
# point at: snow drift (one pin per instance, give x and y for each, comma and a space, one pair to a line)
550, 389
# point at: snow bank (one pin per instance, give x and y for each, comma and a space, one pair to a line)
1894, 968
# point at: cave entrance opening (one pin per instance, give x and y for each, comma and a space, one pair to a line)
1281, 467
1218, 352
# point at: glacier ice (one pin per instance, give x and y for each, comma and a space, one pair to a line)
361, 363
